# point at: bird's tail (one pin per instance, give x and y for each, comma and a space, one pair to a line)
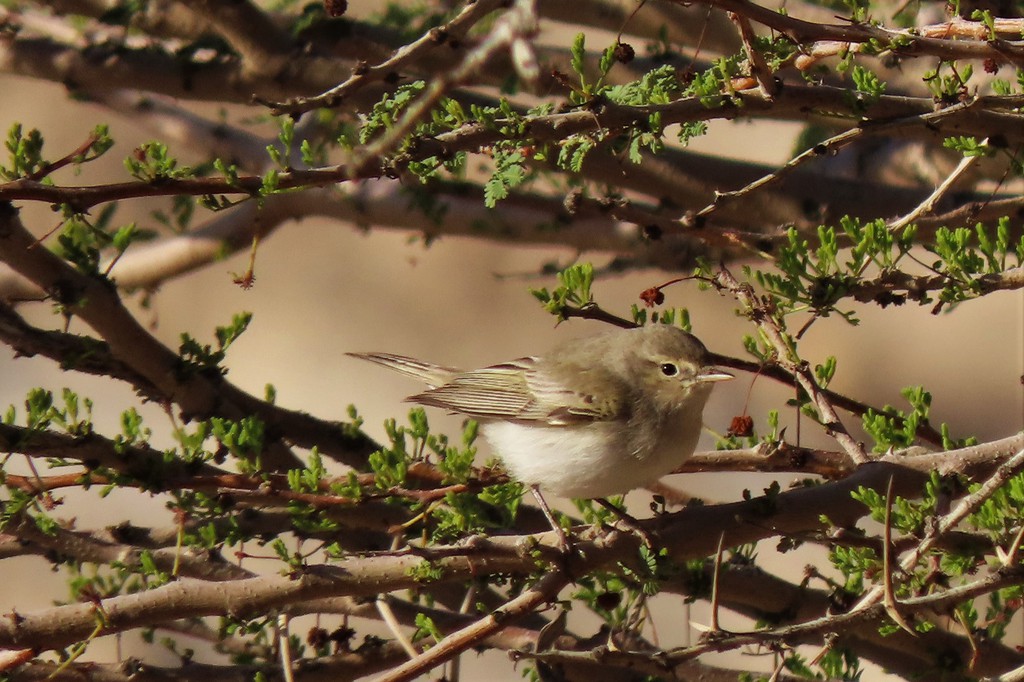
433, 375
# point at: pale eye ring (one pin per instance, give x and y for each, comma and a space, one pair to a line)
669, 369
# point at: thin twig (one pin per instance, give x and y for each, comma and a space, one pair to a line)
758, 66
928, 205
285, 646
783, 346
888, 572
545, 590
715, 627
388, 616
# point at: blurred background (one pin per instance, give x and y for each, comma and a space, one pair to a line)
325, 287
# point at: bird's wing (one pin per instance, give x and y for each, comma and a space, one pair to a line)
515, 391
427, 372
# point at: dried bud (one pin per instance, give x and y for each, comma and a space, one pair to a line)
317, 637
335, 8
742, 426
652, 297
624, 53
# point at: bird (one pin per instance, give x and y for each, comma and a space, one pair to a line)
594, 417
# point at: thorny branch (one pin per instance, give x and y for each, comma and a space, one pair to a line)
768, 322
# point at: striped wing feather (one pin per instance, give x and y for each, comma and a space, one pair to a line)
513, 391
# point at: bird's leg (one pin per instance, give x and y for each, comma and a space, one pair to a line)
563, 539
628, 520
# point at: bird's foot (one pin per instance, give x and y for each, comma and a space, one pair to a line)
566, 544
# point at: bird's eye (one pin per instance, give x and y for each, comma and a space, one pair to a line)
669, 369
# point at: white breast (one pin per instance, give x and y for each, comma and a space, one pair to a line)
592, 460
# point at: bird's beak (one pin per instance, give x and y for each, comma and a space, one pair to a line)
711, 374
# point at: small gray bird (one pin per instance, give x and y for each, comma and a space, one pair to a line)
592, 418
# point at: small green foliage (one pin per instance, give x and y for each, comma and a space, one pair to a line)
74, 417
869, 85
425, 628
271, 182
25, 153
310, 520
99, 144
858, 9
968, 146
835, 663
985, 17
308, 480
907, 516
577, 55
197, 357
425, 572
999, 515
391, 464
822, 278
191, 443
387, 111
146, 570
815, 279
455, 463
588, 89
509, 172
133, 432
151, 162
293, 559
654, 568
243, 439
86, 241
777, 50
658, 86
353, 427
468, 513
649, 137
1002, 87
708, 86
855, 563
672, 316
825, 371
966, 256
229, 171
597, 515
39, 409
77, 415
573, 290
282, 154
895, 429
573, 151
948, 89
